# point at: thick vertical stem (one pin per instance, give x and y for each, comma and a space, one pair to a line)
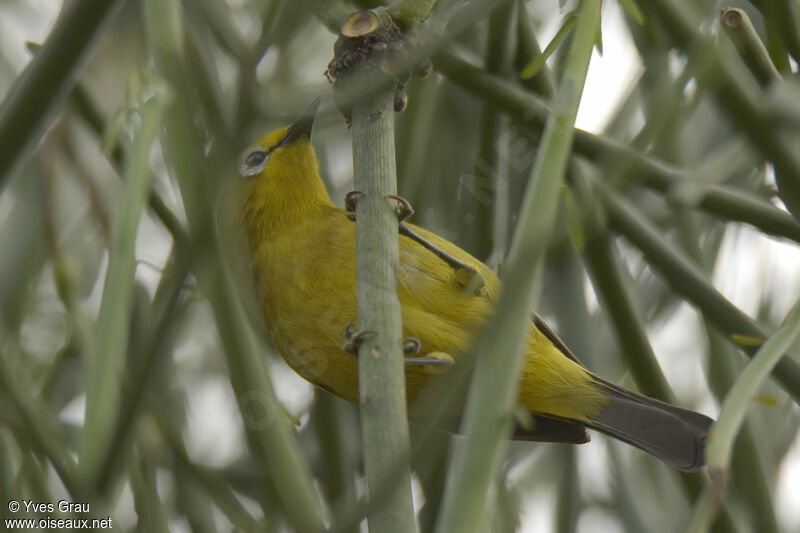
381, 377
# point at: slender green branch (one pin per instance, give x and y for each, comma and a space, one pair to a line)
740, 30
485, 193
539, 61
737, 93
216, 488
33, 100
528, 49
744, 391
164, 309
686, 279
615, 294
381, 375
493, 390
85, 108
267, 430
705, 508
608, 279
722, 371
106, 356
782, 17
38, 424
24, 249
164, 302
723, 201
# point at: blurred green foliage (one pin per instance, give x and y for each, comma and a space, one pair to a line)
680, 199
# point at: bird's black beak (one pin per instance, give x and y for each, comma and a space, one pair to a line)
302, 126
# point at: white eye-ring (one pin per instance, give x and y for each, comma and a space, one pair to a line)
253, 162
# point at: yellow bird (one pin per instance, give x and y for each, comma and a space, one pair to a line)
303, 256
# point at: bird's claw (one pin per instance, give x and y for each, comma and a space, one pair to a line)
411, 346
350, 203
354, 339
404, 209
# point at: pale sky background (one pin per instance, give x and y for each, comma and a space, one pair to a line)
750, 259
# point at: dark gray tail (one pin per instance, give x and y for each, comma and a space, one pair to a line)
674, 435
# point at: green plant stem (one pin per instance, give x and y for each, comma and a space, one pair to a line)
106, 356
33, 100
84, 107
216, 488
736, 92
723, 201
614, 291
333, 421
267, 430
22, 239
38, 426
528, 49
743, 392
686, 279
723, 369
165, 301
381, 374
783, 18
164, 309
493, 391
743, 35
705, 508
485, 194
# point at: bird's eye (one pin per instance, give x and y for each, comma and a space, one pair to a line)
253, 163
255, 159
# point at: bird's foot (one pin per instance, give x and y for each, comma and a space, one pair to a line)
350, 203
411, 346
404, 209
354, 339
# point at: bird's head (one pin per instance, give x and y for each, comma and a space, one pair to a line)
284, 150
279, 177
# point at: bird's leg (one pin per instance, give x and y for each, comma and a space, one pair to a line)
354, 339
411, 346
429, 361
467, 276
468, 272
